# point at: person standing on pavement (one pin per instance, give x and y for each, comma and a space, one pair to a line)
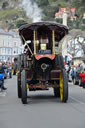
68, 72
2, 77
10, 71
15, 68
72, 74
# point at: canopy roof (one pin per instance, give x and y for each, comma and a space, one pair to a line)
43, 28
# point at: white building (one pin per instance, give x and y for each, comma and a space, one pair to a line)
10, 45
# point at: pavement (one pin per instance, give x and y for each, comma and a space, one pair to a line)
43, 109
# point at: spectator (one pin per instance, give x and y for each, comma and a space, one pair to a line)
78, 69
10, 71
68, 72
2, 77
72, 74
15, 68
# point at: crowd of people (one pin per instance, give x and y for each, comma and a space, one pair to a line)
5, 72
7, 69
74, 71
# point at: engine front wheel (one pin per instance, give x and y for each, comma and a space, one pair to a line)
23, 87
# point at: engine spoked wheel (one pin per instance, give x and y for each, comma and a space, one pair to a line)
18, 86
24, 87
63, 86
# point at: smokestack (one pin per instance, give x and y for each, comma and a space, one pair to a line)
32, 10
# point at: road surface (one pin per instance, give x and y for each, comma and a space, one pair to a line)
43, 110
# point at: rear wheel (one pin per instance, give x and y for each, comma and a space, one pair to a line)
59, 61
18, 87
23, 87
57, 92
63, 86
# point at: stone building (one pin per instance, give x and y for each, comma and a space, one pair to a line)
10, 46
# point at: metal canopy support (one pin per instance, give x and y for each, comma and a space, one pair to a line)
53, 39
26, 44
34, 39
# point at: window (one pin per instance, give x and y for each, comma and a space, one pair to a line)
15, 51
3, 43
0, 57
14, 44
21, 50
6, 51
9, 51
3, 50
8, 58
3, 57
8, 43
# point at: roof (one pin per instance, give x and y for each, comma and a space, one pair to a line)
13, 34
27, 30
2, 32
68, 10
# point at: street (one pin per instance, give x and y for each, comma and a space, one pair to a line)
43, 109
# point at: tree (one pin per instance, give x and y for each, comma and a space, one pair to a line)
42, 3
5, 4
77, 41
59, 20
20, 23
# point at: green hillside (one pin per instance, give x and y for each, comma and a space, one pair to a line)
10, 17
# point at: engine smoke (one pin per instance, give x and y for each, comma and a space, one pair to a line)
32, 10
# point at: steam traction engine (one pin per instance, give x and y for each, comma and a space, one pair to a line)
41, 66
